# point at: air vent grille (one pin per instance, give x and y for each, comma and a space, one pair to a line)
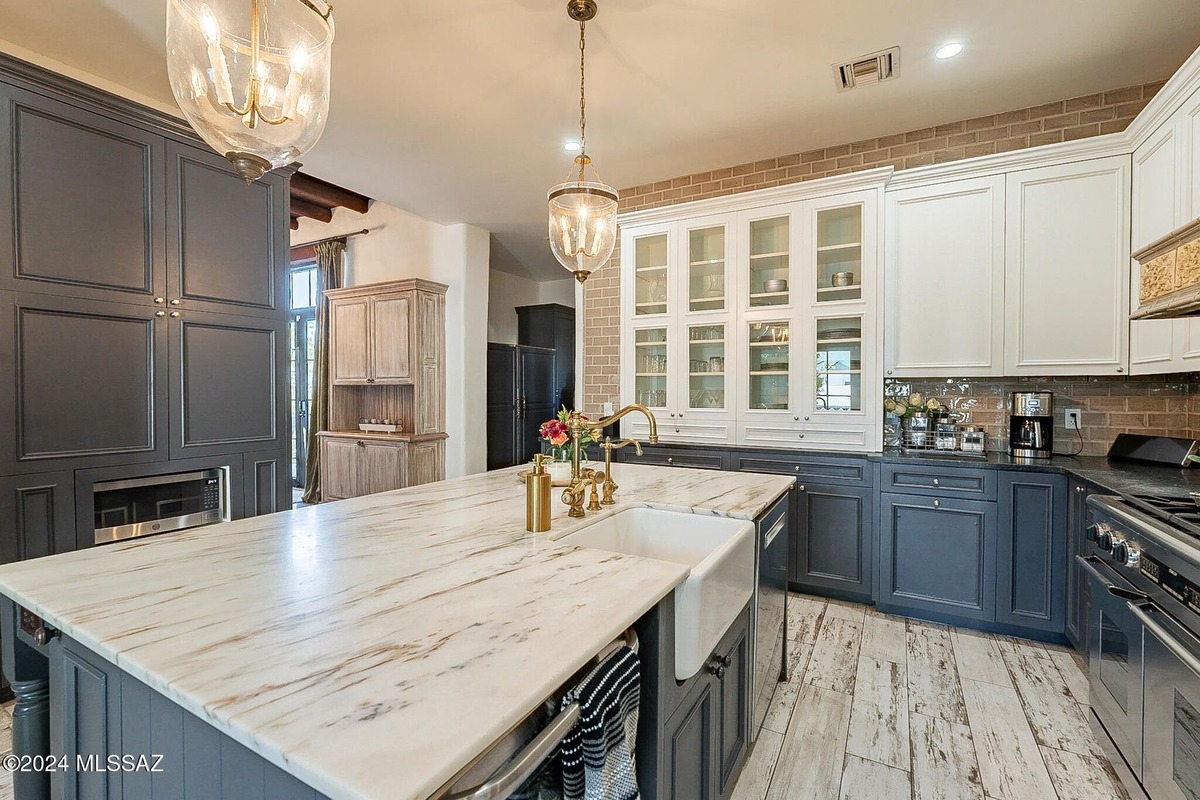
868, 69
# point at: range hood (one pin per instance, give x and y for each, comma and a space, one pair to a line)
1170, 284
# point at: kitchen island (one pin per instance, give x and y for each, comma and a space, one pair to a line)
369, 648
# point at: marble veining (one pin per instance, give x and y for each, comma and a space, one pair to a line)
372, 647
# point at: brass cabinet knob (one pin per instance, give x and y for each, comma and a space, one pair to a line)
174, 315
159, 301
175, 302
160, 313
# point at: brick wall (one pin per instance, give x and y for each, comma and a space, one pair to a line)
1065, 120
1158, 405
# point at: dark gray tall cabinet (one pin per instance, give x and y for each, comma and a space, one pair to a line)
521, 395
553, 326
143, 309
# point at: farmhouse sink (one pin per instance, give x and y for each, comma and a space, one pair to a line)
720, 553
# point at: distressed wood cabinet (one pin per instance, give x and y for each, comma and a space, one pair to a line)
354, 464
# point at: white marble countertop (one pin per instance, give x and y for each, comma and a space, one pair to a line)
372, 647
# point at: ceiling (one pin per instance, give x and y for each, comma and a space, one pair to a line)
457, 112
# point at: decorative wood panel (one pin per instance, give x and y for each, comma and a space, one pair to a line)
225, 236
426, 462
339, 459
41, 510
349, 341
390, 336
83, 380
267, 482
103, 237
209, 381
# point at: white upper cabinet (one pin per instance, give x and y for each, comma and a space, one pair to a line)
757, 324
944, 280
1066, 273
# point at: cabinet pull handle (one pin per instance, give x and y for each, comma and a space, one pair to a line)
801, 488
160, 313
724, 661
802, 436
889, 372
175, 302
795, 469
1120, 369
159, 301
796, 418
718, 670
174, 315
936, 482
671, 460
937, 503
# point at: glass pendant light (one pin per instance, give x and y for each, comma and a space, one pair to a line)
252, 76
583, 213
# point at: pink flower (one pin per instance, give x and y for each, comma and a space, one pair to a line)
559, 439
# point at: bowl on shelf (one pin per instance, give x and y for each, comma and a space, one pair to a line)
775, 285
843, 279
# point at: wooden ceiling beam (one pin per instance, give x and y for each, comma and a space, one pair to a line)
319, 192
303, 208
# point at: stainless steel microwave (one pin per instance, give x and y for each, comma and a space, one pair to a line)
143, 506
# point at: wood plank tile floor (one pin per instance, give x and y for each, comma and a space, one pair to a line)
883, 708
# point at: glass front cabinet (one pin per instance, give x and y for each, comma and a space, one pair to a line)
758, 325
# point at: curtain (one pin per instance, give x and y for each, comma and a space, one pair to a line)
329, 276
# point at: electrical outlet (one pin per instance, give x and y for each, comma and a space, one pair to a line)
1074, 419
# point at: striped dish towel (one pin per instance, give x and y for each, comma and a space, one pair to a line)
597, 755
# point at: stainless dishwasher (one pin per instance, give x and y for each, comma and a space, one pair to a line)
770, 610
510, 768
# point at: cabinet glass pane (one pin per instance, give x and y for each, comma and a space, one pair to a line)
769, 360
706, 367
839, 364
839, 254
650, 380
769, 261
706, 269
650, 270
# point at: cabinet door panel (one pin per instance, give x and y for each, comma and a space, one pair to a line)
391, 340
536, 398
85, 192
349, 341
431, 349
37, 515
82, 380
1031, 562
225, 237
267, 482
228, 383
939, 557
689, 748
1082, 255
426, 463
733, 709
834, 534
381, 467
339, 459
945, 272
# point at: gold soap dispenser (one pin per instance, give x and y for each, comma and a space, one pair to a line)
537, 496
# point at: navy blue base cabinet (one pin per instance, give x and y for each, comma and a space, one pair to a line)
833, 542
1032, 548
937, 555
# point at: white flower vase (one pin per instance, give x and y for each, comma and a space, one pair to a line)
560, 471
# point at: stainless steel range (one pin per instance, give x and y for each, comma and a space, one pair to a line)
1144, 636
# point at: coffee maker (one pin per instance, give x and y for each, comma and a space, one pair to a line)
1031, 425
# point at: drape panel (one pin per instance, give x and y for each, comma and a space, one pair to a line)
330, 256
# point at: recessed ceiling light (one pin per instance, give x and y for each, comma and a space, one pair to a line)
572, 146
949, 50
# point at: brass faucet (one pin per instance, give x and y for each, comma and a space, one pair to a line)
573, 495
610, 486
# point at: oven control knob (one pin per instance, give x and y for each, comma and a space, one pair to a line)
1104, 536
1093, 531
1120, 549
1133, 555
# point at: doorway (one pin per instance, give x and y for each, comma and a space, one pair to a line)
302, 330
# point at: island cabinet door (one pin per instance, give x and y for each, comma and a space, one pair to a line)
1032, 551
835, 528
689, 772
41, 508
732, 703
937, 556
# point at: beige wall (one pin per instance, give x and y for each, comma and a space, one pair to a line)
507, 292
403, 245
1075, 118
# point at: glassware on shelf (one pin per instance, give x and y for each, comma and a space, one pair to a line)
839, 365
650, 364
650, 268
770, 358
706, 352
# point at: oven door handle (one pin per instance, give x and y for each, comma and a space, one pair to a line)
1088, 563
1168, 639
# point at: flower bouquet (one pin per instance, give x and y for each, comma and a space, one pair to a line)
556, 433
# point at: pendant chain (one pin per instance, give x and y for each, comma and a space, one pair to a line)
582, 97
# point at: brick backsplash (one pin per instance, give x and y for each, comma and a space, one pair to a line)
1160, 405
1076, 118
